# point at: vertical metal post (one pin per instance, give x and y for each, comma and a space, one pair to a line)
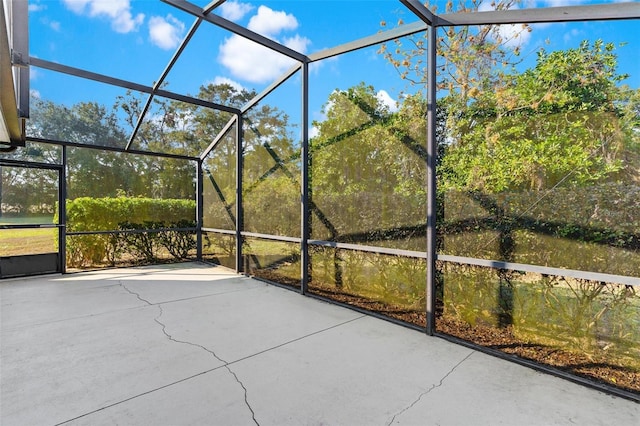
199, 210
20, 53
431, 180
62, 212
305, 224
239, 207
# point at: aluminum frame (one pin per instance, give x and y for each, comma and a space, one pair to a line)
162, 78
196, 11
61, 226
429, 22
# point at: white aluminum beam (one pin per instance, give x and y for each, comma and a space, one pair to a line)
598, 12
372, 40
10, 127
273, 86
20, 53
221, 134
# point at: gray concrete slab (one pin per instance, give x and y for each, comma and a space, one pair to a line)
193, 344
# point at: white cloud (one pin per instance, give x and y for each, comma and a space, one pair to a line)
54, 25
76, 5
270, 23
166, 33
558, 3
234, 10
224, 80
515, 35
319, 116
251, 62
297, 43
35, 94
574, 33
385, 99
117, 11
314, 67
37, 7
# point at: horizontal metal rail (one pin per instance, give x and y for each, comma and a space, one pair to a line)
369, 249
130, 231
271, 237
544, 270
219, 231
495, 264
8, 162
109, 148
31, 226
255, 235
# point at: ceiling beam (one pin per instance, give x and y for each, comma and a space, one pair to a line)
233, 121
208, 8
599, 12
77, 72
273, 86
372, 40
160, 80
421, 11
196, 11
111, 149
596, 12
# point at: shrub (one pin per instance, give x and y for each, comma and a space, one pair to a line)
122, 213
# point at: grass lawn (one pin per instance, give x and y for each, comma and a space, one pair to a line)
15, 242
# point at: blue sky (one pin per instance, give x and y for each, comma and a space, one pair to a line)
134, 40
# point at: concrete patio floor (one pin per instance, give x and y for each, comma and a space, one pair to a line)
194, 344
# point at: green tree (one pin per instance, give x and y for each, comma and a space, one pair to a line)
557, 122
91, 172
369, 164
86, 122
468, 56
28, 190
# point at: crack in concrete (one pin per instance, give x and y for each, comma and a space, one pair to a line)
171, 338
399, 413
135, 294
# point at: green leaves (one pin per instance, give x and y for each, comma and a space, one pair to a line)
557, 122
106, 214
122, 213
